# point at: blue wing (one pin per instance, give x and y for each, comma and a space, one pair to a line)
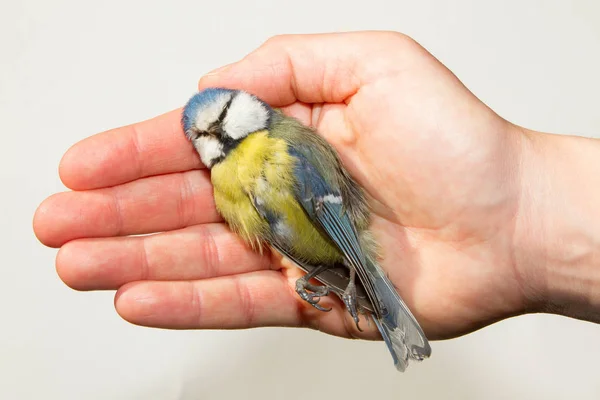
325, 206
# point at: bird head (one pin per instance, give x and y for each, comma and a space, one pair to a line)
216, 119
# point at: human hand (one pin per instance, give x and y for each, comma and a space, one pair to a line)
442, 170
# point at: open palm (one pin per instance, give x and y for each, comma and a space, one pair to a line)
438, 165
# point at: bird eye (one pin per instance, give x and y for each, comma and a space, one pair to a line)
194, 134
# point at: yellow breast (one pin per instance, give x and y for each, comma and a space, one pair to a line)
261, 168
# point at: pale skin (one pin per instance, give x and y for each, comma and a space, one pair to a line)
479, 219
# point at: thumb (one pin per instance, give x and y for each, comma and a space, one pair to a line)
314, 68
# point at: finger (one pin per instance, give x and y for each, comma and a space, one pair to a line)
241, 301
256, 299
148, 205
301, 111
197, 252
156, 146
321, 68
251, 300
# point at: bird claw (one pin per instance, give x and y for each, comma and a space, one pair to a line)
314, 296
349, 299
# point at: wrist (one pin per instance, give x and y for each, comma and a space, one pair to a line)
557, 235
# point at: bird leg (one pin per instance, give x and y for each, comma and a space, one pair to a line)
349, 297
318, 291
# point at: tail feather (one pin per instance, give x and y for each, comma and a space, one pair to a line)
399, 328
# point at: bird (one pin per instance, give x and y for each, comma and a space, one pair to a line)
277, 183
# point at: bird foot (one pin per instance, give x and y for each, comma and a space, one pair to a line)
349, 299
314, 296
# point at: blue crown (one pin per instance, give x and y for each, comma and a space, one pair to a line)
197, 101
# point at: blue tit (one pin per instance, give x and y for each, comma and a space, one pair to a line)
277, 183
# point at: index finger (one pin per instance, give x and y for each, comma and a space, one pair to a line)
152, 147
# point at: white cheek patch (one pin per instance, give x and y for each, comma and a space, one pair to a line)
209, 149
332, 199
245, 115
208, 115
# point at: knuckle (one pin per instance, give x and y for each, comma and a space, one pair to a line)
246, 300
402, 39
210, 253
277, 41
196, 304
185, 206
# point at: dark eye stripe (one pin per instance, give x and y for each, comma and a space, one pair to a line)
224, 112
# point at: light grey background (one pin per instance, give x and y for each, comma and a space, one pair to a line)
69, 69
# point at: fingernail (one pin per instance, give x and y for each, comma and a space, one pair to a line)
219, 70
